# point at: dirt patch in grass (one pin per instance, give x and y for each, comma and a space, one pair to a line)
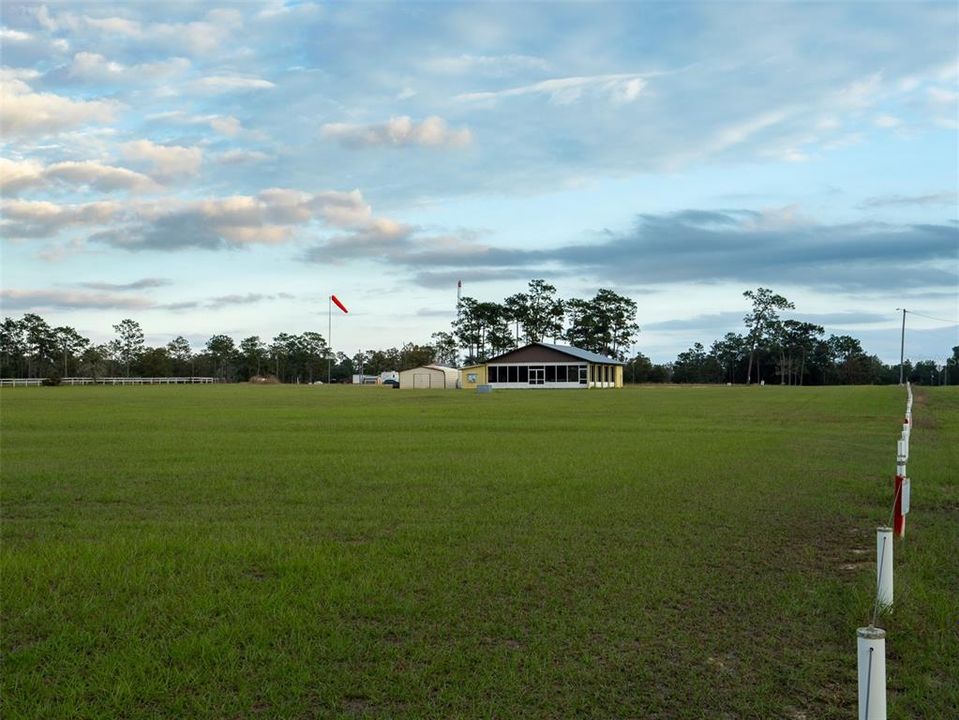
836, 543
356, 705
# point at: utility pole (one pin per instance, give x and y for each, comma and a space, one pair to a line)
902, 344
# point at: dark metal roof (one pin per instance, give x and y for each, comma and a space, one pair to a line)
578, 353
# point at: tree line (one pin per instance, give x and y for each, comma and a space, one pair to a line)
770, 349
32, 348
605, 324
787, 352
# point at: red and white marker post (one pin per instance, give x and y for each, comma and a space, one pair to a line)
899, 517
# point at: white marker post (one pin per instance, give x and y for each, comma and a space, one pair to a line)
884, 567
871, 642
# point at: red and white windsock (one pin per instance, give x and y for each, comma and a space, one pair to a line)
336, 301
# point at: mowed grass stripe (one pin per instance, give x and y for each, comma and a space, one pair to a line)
237, 551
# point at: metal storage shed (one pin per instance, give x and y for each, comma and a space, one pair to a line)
426, 377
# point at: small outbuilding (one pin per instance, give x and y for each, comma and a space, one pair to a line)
541, 365
427, 377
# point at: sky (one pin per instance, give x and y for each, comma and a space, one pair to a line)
205, 168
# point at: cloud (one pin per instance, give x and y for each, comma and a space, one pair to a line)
619, 89
941, 96
842, 319
16, 175
225, 125
9, 35
222, 301
930, 200
229, 83
693, 246
24, 113
706, 321
166, 161
237, 156
680, 248
10, 74
489, 65
19, 175
143, 284
887, 121
446, 279
244, 299
45, 300
99, 176
23, 219
397, 132
93, 67
860, 93
199, 36
269, 218
733, 320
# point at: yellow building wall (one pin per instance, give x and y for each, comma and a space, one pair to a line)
465, 373
605, 376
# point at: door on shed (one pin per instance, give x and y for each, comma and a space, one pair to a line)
422, 380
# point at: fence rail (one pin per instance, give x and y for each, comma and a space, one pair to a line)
34, 382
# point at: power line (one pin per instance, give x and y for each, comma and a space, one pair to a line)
930, 317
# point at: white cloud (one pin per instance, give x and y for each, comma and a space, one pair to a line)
166, 161
941, 96
9, 35
860, 93
18, 175
738, 133
39, 300
490, 65
887, 121
9, 74
230, 83
200, 36
24, 112
99, 176
618, 88
787, 154
235, 156
38, 218
271, 217
95, 67
226, 125
398, 131
117, 26
15, 175
950, 198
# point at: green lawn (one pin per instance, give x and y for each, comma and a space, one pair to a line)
313, 552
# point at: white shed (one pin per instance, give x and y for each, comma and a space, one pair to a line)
436, 377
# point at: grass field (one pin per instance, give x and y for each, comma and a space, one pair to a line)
313, 552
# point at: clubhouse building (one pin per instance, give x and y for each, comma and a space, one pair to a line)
541, 365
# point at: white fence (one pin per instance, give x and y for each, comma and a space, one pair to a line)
33, 382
